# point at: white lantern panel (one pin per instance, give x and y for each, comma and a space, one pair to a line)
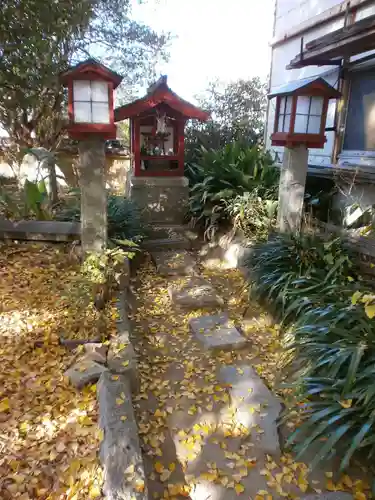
281, 123
82, 112
282, 105
316, 105
289, 101
100, 112
314, 125
99, 91
81, 90
300, 125
286, 123
303, 105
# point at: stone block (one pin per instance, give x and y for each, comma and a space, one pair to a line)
217, 332
194, 293
256, 406
120, 452
96, 352
334, 495
173, 263
83, 372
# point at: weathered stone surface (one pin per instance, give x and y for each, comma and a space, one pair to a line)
176, 242
120, 452
121, 357
217, 332
256, 406
334, 495
74, 343
96, 352
194, 293
40, 230
173, 262
83, 372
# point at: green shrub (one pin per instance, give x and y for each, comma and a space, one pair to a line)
224, 174
29, 202
255, 216
124, 222
314, 289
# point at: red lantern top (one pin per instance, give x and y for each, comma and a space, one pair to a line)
301, 112
90, 99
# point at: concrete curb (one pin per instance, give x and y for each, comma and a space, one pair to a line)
120, 450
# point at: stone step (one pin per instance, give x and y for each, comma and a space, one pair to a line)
176, 243
194, 293
217, 332
174, 263
255, 407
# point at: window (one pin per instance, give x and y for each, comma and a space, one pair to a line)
284, 115
360, 121
90, 102
308, 114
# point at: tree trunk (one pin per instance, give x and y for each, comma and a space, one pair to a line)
54, 195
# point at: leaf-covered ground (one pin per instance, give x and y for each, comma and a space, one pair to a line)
188, 446
48, 434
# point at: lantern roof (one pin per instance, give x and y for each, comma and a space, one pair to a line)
89, 69
160, 93
317, 86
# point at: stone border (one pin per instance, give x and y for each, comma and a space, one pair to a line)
120, 451
39, 230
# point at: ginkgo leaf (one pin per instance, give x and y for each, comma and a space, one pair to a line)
370, 310
159, 467
239, 488
4, 405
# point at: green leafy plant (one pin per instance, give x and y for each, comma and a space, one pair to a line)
29, 203
124, 222
255, 216
223, 174
314, 288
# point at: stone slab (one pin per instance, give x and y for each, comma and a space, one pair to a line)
96, 352
40, 230
256, 407
83, 372
120, 452
217, 332
194, 293
174, 263
121, 357
177, 242
334, 495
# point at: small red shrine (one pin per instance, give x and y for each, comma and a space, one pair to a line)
157, 124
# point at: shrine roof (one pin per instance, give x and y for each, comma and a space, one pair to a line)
90, 67
160, 93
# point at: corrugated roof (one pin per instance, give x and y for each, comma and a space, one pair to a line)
291, 87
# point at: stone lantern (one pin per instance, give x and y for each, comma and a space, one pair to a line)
91, 122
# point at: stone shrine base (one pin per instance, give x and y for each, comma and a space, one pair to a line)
161, 199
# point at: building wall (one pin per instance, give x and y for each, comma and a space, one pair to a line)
117, 168
289, 15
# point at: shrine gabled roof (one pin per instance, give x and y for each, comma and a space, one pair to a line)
160, 93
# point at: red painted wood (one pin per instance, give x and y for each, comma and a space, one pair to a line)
277, 114
82, 130
293, 112
161, 173
70, 103
137, 148
159, 157
160, 94
110, 103
324, 116
90, 70
290, 140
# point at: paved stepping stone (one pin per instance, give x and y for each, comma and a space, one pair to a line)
194, 293
256, 408
336, 495
83, 372
173, 262
217, 332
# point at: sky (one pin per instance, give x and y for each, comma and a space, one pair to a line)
225, 39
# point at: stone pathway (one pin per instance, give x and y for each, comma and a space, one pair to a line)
206, 419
